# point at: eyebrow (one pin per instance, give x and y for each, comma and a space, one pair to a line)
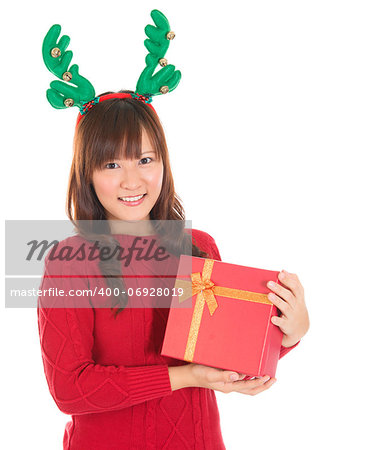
144, 153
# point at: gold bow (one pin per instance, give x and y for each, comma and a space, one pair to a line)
206, 290
203, 285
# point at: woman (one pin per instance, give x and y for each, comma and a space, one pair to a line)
100, 341
102, 358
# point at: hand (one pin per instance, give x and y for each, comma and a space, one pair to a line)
219, 380
294, 321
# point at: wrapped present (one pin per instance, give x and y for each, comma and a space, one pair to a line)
221, 317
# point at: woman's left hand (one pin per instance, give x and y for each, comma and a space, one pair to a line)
294, 321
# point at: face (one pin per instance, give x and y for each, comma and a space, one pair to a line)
122, 180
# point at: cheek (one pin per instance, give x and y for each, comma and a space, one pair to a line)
103, 185
156, 178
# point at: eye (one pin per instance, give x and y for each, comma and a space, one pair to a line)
108, 164
147, 157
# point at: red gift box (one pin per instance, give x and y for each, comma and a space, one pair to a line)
223, 317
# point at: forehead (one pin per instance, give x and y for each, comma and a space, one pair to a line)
145, 140
138, 148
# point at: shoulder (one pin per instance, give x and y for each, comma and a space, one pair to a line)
201, 237
205, 242
67, 245
67, 252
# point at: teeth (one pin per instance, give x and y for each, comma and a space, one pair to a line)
131, 199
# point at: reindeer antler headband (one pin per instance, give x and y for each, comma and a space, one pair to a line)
63, 95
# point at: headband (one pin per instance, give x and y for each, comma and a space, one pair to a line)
63, 95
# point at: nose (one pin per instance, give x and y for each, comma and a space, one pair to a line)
131, 178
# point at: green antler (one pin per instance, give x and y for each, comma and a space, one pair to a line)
167, 79
62, 95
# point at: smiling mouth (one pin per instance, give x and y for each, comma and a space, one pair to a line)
132, 199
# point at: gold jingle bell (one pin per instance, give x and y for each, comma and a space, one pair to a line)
67, 76
163, 62
69, 102
164, 89
170, 35
55, 52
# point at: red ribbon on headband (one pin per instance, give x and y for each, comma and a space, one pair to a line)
88, 105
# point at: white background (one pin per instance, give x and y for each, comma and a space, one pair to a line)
278, 138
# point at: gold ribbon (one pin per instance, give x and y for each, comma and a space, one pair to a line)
205, 289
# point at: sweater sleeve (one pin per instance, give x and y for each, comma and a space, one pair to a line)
76, 382
215, 254
209, 245
285, 350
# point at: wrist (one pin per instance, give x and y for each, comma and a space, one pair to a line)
181, 376
190, 374
289, 341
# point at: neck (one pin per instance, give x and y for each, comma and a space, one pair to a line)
134, 227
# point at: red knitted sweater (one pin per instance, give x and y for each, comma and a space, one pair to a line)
108, 373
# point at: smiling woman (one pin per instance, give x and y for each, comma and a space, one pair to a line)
102, 350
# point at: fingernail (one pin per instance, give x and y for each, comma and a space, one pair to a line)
233, 377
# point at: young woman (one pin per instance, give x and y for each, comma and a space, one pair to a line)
101, 357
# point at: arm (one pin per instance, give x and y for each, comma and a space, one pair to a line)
76, 382
180, 377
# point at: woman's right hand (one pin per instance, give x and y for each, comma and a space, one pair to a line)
219, 380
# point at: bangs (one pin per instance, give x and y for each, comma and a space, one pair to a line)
117, 135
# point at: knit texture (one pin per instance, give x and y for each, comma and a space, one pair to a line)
108, 373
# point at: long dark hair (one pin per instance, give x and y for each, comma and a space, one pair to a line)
111, 129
